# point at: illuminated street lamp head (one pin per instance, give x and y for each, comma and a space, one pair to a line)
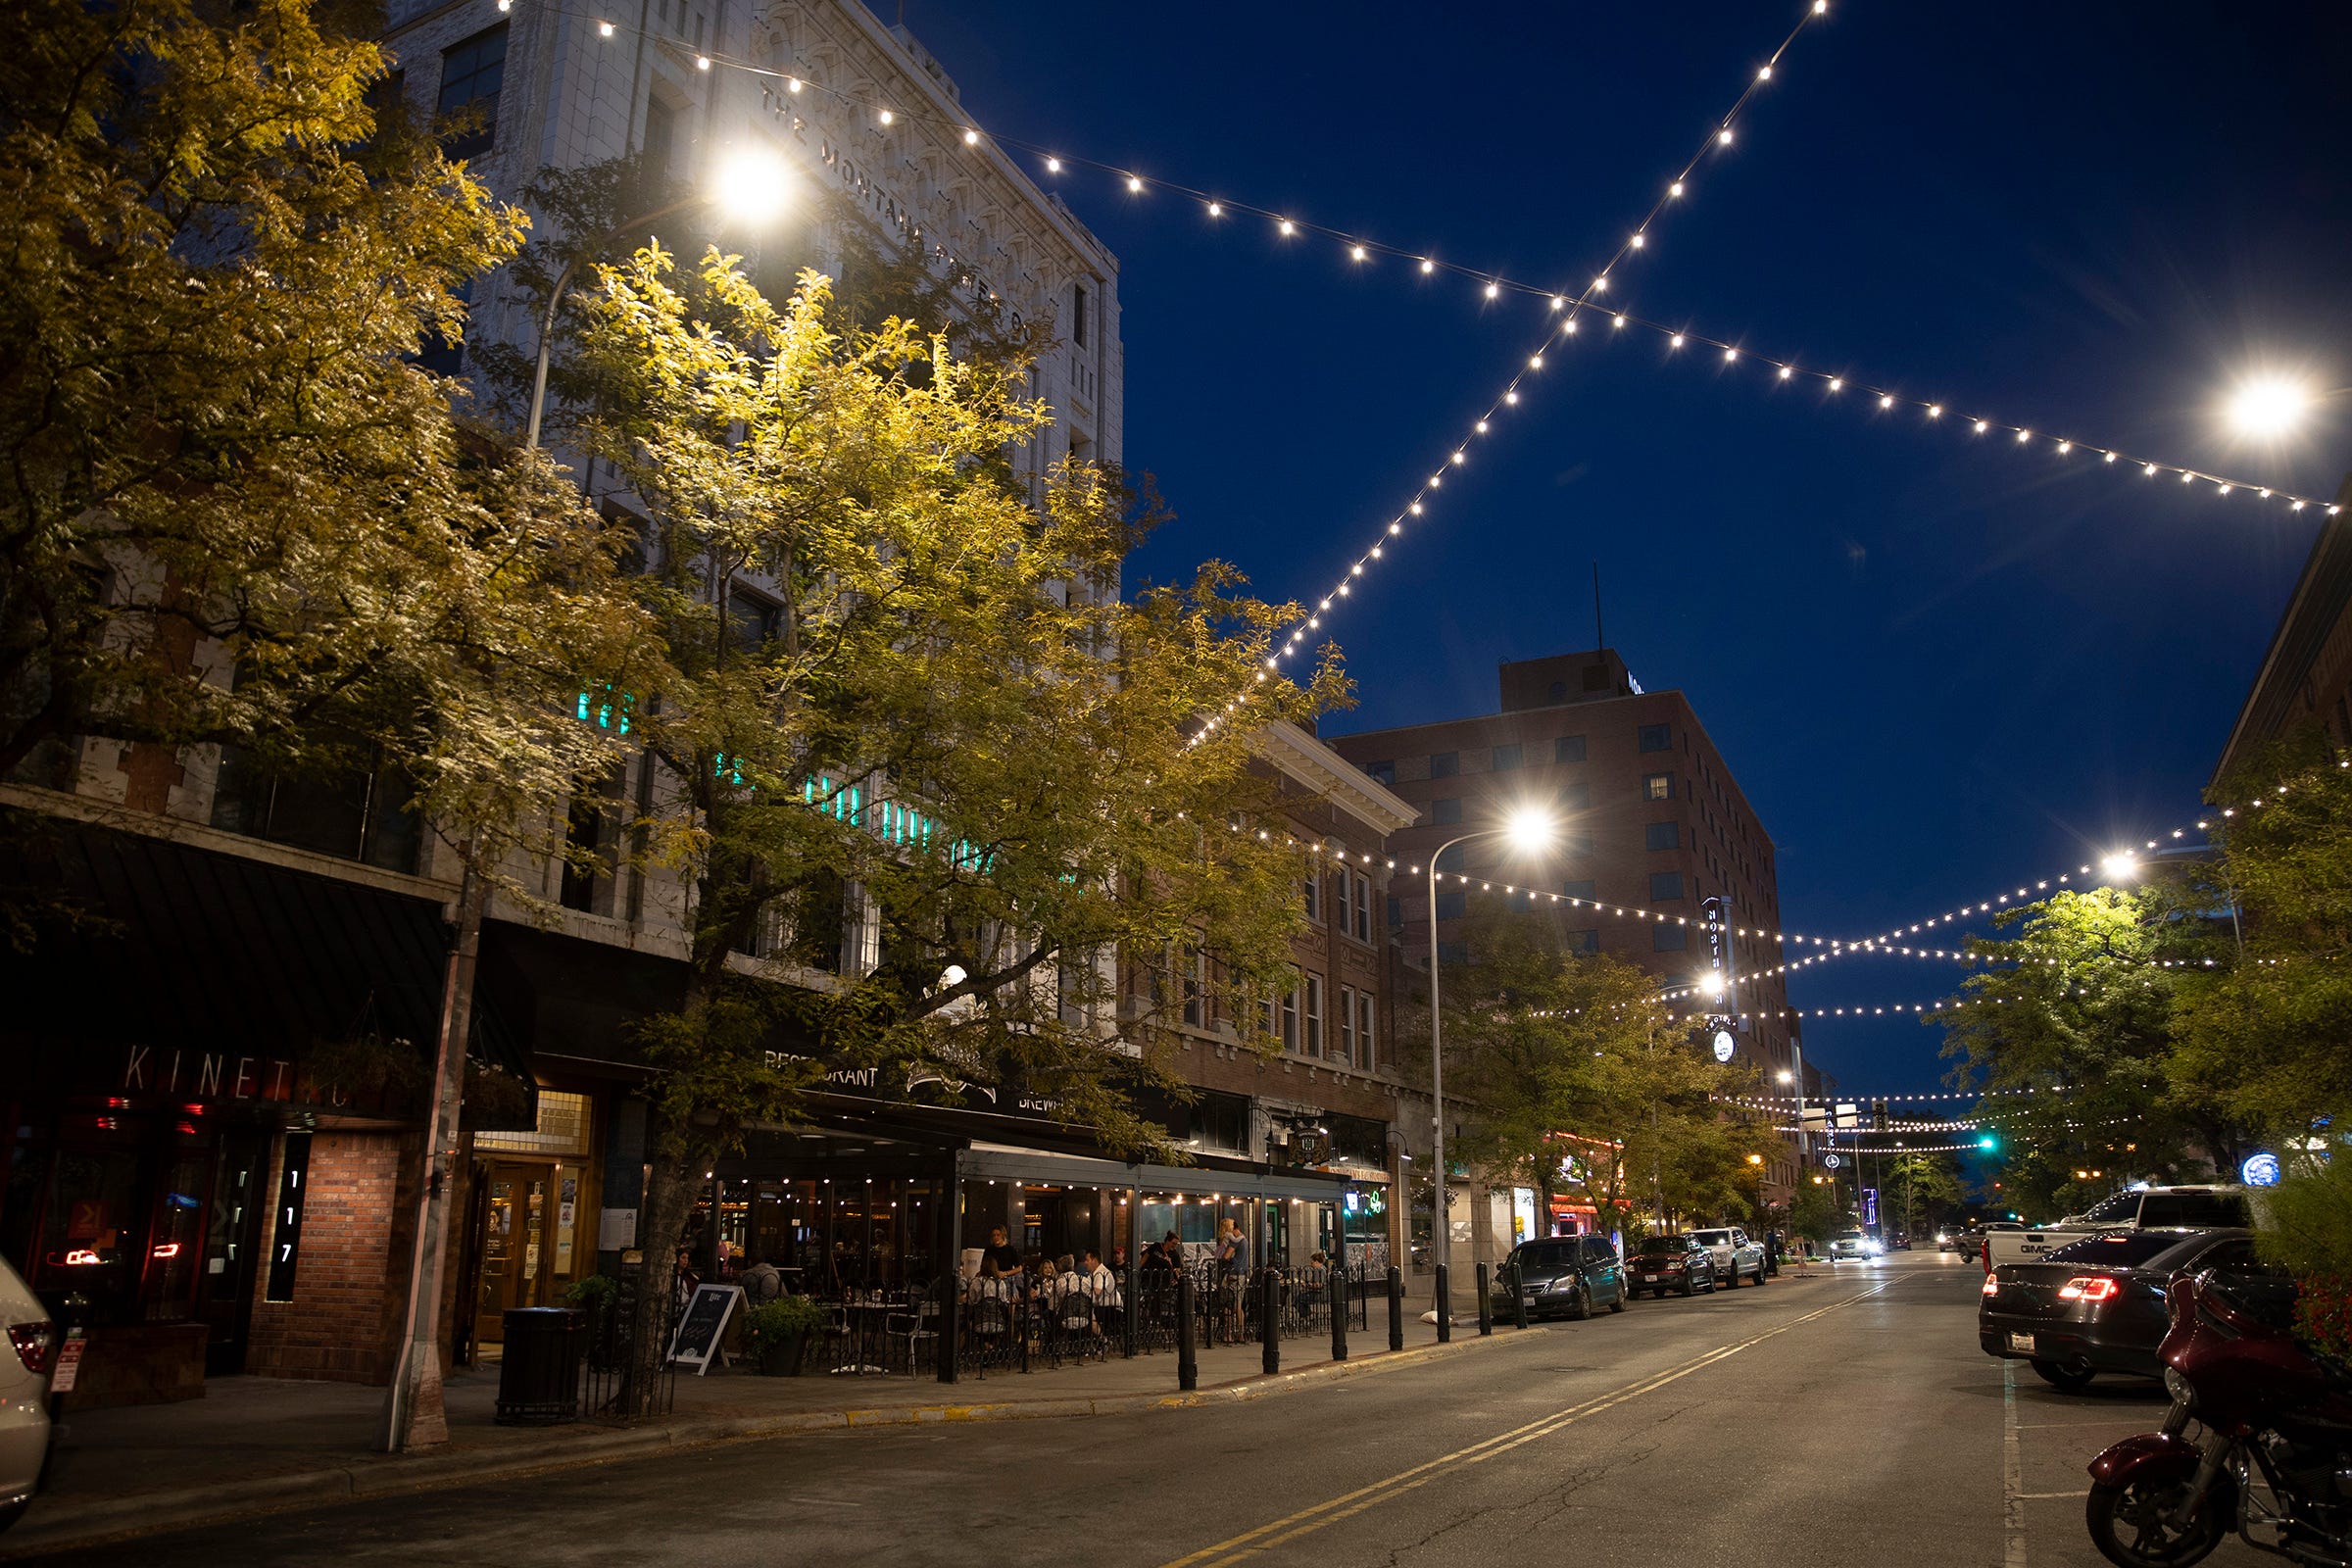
2120, 865
1712, 983
2269, 406
1531, 828
1786, 1076
752, 187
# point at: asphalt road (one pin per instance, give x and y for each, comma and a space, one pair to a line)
1849, 1420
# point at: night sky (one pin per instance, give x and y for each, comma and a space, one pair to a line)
1939, 665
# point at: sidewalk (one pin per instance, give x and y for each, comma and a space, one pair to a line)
258, 1445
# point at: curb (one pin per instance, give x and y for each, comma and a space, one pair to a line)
98, 1523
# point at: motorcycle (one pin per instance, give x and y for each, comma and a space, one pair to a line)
2272, 1459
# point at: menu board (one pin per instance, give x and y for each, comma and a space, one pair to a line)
696, 1341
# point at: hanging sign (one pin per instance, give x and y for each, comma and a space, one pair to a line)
1832, 1161
1724, 1045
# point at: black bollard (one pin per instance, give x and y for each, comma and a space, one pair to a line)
1486, 1306
1336, 1288
1444, 1307
1395, 1309
950, 1327
1269, 1320
1518, 1300
1187, 1361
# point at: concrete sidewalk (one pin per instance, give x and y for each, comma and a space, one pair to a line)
260, 1445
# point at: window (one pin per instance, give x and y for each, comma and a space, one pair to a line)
1584, 890
1507, 757
1662, 836
1290, 1019
1446, 812
1314, 887
1363, 909
1657, 786
1576, 795
660, 135
1657, 737
1348, 1024
1445, 765
1584, 941
471, 74
1452, 906
1599, 1250
1568, 748
1196, 990
1078, 315
1664, 885
1453, 953
1669, 939
1395, 912
1311, 1040
1381, 772
1364, 1057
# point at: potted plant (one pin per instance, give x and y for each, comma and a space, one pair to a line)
778, 1334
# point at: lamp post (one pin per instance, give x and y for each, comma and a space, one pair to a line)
1528, 829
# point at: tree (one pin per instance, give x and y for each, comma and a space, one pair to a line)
895, 685
1815, 1215
2080, 1013
2261, 1031
1927, 1187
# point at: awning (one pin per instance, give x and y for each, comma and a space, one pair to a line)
1009, 1163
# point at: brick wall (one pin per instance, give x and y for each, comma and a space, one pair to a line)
350, 1273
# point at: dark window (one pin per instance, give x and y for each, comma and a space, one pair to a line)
1452, 906
1662, 836
1578, 890
1576, 795
660, 135
1669, 939
1568, 748
439, 354
2193, 1208
1664, 885
1507, 757
1446, 812
2119, 1250
471, 74
1657, 738
1584, 941
1078, 315
1396, 912
1657, 786
1445, 765
1453, 953
1381, 772
1598, 1249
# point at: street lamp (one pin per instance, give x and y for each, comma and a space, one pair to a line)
2120, 865
2269, 407
1529, 828
750, 187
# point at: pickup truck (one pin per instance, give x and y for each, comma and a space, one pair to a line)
2204, 1207
1734, 1254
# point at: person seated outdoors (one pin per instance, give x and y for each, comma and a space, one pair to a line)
761, 1283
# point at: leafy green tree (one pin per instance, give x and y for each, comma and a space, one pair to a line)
1815, 1215
898, 688
1925, 1189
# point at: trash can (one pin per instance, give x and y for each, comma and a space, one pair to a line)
539, 1369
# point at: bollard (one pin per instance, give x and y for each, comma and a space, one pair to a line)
1486, 1306
1518, 1301
1129, 1310
1336, 1288
1187, 1363
1444, 1307
951, 1328
1269, 1320
1396, 1308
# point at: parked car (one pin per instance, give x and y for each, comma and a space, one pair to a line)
1853, 1245
1561, 1276
1734, 1254
24, 1394
1661, 1263
2147, 1208
2098, 1303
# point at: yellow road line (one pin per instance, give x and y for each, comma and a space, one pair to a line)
1305, 1521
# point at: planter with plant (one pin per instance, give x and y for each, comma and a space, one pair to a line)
776, 1333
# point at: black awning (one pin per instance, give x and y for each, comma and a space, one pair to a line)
149, 940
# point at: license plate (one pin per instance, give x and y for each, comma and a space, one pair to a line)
2021, 1342
1649, 1279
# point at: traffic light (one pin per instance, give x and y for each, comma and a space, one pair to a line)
1989, 1144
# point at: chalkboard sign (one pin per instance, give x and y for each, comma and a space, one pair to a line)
696, 1344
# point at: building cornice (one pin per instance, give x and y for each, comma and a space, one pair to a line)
1301, 757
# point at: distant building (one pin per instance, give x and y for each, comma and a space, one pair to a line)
2306, 675
1653, 824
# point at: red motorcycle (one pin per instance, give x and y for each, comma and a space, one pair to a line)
2273, 1458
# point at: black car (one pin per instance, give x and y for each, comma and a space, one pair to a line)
1566, 1275
1661, 1263
2097, 1304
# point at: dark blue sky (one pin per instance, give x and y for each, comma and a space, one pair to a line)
1937, 666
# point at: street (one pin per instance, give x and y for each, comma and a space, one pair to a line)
1839, 1420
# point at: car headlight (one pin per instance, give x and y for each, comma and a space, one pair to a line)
1560, 1284
2178, 1387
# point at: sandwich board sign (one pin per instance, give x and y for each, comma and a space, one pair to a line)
702, 1324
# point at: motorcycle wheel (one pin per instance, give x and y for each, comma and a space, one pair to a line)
2126, 1524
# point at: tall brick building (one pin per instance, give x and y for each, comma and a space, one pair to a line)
1652, 823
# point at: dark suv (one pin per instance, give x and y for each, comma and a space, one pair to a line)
1566, 1275
1663, 1263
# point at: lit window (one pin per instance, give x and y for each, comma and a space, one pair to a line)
1657, 787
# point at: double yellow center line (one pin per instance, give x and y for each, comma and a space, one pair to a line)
1281, 1532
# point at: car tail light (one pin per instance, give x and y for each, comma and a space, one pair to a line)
36, 1343
2087, 1288
1992, 1286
